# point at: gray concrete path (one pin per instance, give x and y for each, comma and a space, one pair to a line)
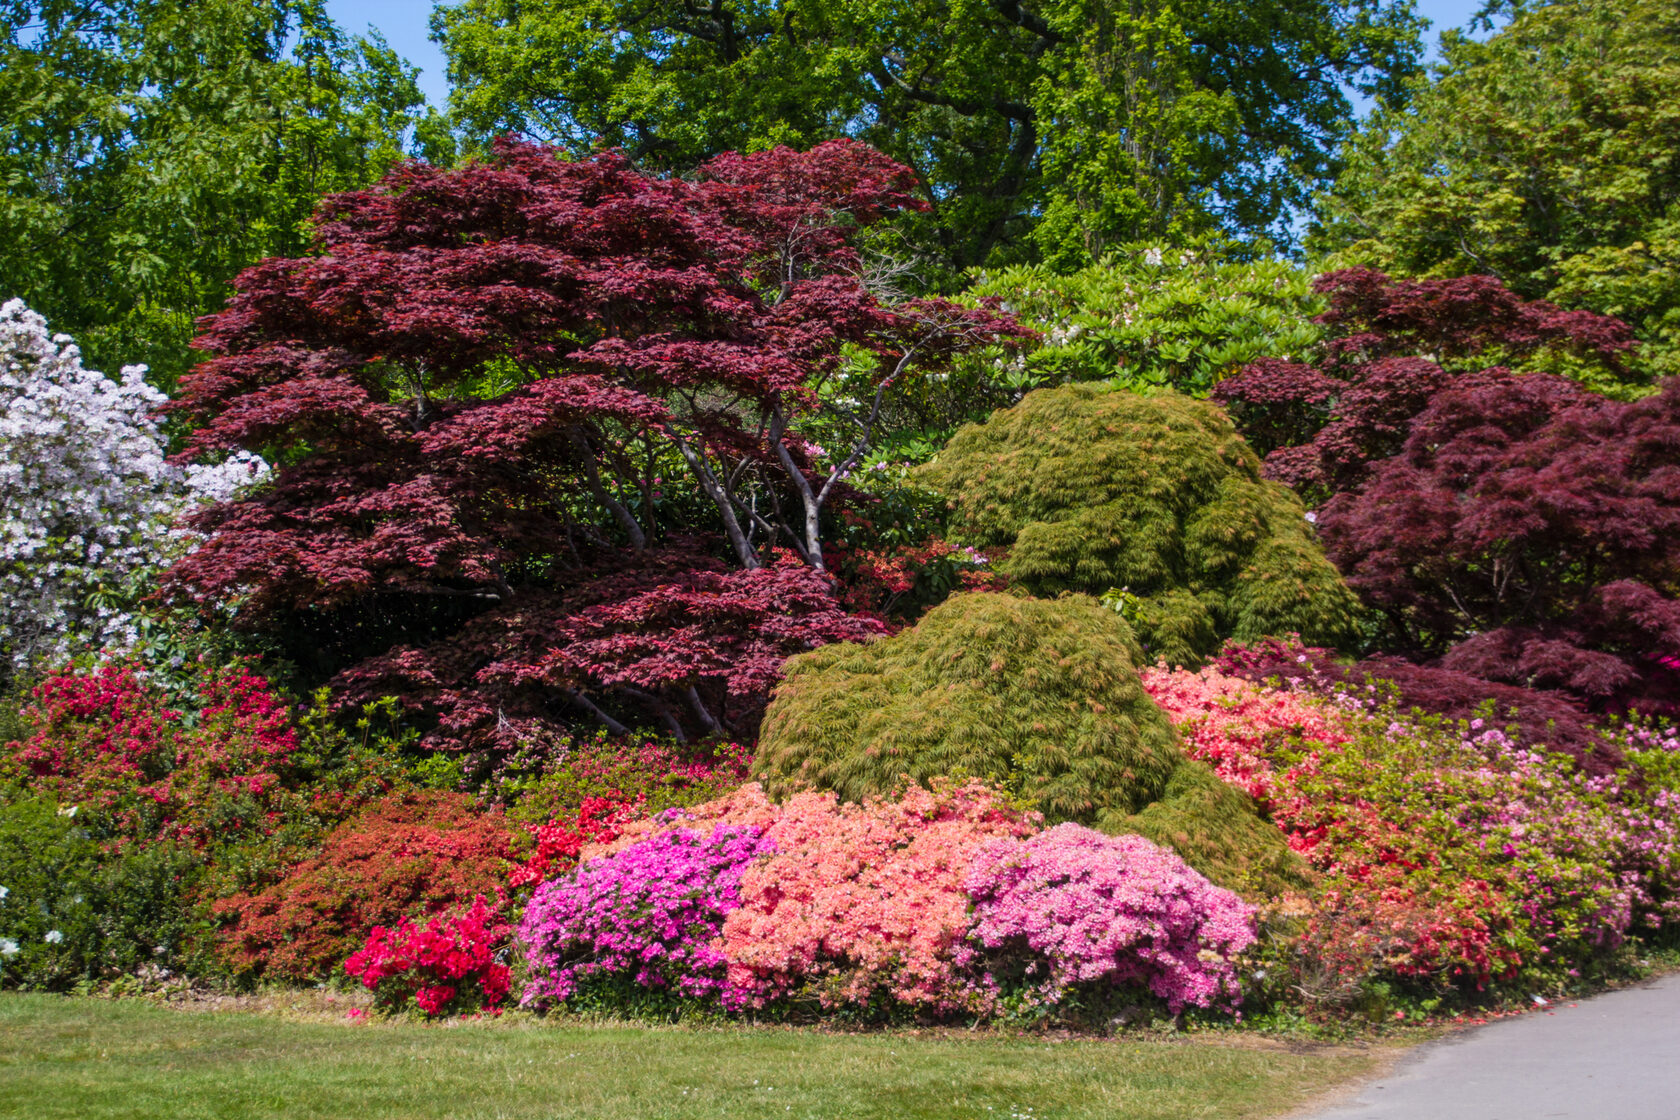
1612, 1057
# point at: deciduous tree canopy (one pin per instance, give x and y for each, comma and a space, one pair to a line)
484, 388
1092, 122
1543, 156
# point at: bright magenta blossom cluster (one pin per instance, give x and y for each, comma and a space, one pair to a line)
438, 964
1109, 909
649, 913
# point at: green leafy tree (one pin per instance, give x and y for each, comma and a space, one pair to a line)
1548, 156
1155, 503
1152, 317
1094, 122
151, 150
1041, 697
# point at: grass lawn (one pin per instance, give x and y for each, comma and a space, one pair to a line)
89, 1058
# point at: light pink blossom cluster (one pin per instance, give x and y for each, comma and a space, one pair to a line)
1230, 723
865, 900
1109, 909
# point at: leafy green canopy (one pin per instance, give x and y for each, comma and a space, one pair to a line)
1039, 696
1093, 121
1149, 316
149, 151
1156, 496
1546, 156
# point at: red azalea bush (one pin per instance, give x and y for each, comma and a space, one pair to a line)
445, 965
405, 854
107, 740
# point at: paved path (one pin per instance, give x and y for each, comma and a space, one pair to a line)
1612, 1057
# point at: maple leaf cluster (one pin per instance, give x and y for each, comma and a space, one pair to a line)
497, 386
1516, 527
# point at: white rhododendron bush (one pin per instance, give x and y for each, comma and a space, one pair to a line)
88, 499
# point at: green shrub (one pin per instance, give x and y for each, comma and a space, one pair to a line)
71, 911
1091, 490
1180, 318
1040, 697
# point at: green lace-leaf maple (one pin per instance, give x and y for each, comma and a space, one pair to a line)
1091, 490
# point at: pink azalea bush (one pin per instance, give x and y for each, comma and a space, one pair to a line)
863, 902
1231, 724
650, 913
447, 964
1108, 909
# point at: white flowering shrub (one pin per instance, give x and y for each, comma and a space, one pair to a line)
88, 500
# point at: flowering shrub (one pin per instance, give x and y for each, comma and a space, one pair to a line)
104, 739
87, 498
85, 492
1229, 723
1448, 853
598, 819
1109, 909
865, 901
548, 777
447, 964
407, 853
650, 913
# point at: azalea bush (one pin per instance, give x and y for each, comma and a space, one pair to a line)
649, 914
406, 854
1071, 908
446, 964
936, 903
1449, 855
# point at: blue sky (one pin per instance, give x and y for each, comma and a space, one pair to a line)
403, 22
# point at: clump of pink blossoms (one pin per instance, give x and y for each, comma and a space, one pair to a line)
1230, 723
1110, 910
866, 900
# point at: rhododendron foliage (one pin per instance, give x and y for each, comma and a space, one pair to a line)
1109, 909
448, 963
480, 383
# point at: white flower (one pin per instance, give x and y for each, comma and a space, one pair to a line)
4, 891
88, 498
1312, 518
8, 948
70, 812
53, 937
1152, 256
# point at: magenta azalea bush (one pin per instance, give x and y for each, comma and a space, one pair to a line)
650, 913
1088, 908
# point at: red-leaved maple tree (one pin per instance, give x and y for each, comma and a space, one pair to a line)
497, 386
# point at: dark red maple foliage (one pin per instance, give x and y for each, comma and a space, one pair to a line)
1393, 345
1541, 717
482, 390
1528, 533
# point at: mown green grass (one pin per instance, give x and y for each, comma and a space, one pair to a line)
89, 1058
